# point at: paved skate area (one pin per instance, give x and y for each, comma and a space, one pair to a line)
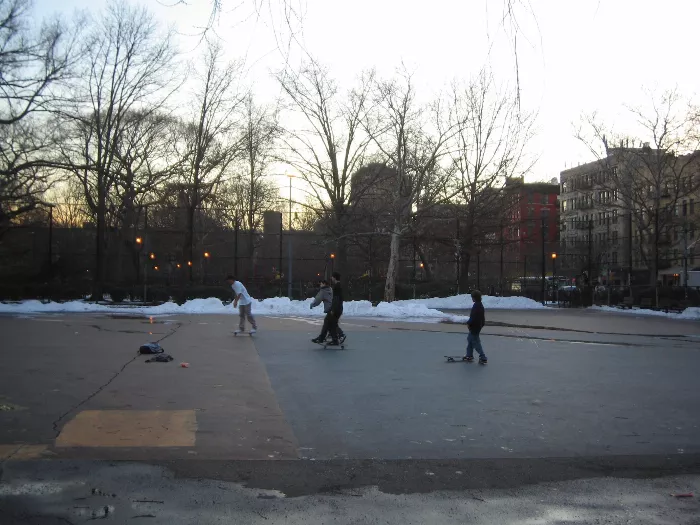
603, 394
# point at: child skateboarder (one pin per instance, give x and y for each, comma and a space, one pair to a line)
330, 323
476, 321
244, 303
325, 296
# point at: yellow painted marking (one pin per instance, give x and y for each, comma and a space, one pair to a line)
21, 451
130, 428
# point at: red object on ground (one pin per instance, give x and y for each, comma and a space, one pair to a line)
686, 495
185, 365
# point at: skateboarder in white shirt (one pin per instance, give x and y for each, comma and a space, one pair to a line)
244, 303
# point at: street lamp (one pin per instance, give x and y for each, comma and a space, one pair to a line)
289, 277
139, 240
332, 263
206, 255
555, 293
152, 256
178, 265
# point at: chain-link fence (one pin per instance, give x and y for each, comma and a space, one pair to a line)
153, 264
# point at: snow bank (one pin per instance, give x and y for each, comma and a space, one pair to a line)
415, 309
276, 306
464, 302
692, 313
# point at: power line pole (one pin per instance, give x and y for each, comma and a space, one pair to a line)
590, 257
685, 259
544, 269
500, 279
289, 277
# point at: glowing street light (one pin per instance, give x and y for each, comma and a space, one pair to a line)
206, 255
189, 263
139, 240
152, 256
179, 266
155, 268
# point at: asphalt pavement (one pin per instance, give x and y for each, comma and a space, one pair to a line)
568, 395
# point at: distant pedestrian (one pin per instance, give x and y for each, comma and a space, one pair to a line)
476, 321
244, 302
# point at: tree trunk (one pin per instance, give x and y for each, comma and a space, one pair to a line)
98, 278
189, 244
393, 269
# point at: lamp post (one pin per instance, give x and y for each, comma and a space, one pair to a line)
289, 273
555, 292
332, 263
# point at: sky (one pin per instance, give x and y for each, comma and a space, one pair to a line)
573, 56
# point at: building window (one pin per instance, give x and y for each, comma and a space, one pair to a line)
614, 217
614, 257
614, 236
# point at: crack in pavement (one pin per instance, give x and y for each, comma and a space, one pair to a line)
534, 337
101, 388
504, 324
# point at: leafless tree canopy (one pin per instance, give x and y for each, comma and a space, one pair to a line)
33, 62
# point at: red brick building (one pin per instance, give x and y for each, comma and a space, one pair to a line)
533, 213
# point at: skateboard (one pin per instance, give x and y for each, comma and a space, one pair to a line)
236, 334
327, 343
460, 359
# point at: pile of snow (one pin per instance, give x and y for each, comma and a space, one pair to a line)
276, 306
279, 306
464, 302
692, 313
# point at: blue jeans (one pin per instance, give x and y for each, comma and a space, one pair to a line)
474, 342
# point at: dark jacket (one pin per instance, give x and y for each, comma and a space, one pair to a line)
325, 296
337, 304
477, 318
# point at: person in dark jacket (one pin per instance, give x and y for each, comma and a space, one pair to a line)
476, 321
330, 323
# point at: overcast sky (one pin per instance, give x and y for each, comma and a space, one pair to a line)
573, 55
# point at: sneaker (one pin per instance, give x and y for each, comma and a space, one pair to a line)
316, 340
253, 331
468, 359
343, 338
236, 332
483, 360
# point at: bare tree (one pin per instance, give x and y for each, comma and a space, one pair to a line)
129, 67
70, 210
32, 64
252, 190
210, 138
413, 140
331, 145
647, 181
487, 148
